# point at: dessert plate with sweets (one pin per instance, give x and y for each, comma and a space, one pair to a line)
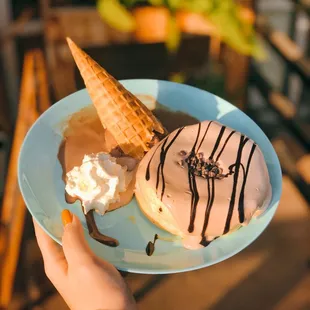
164, 177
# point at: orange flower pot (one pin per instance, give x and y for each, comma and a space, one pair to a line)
247, 15
195, 23
151, 24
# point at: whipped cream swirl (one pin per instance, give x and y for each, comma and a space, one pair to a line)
98, 182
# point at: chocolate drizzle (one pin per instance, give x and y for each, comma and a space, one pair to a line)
204, 242
224, 145
211, 195
150, 248
217, 142
211, 183
204, 135
211, 167
147, 173
243, 141
163, 158
193, 186
241, 196
95, 233
160, 168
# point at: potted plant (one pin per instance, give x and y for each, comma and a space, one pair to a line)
153, 21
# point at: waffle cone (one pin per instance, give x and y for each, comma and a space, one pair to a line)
131, 123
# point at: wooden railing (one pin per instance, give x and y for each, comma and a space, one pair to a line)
286, 48
34, 99
290, 129
286, 109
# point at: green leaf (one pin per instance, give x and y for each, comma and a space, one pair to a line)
226, 5
197, 6
174, 4
234, 32
116, 15
174, 35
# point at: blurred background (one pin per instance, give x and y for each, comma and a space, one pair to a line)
254, 53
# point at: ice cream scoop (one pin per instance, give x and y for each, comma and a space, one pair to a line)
203, 181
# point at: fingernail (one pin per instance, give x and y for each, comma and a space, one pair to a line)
66, 217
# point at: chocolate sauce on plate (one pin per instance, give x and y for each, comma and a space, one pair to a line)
150, 248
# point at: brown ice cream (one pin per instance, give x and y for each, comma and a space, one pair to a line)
84, 134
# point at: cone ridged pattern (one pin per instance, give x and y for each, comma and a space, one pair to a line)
130, 122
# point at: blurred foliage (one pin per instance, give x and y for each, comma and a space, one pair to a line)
174, 35
233, 22
179, 77
212, 81
116, 15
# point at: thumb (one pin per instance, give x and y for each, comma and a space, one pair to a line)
74, 244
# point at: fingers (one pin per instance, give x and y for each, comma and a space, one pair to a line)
54, 260
75, 247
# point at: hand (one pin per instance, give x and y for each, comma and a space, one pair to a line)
85, 281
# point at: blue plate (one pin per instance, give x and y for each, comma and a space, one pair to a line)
39, 175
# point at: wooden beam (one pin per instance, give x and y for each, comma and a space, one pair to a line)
13, 210
42, 84
34, 100
9, 58
16, 27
